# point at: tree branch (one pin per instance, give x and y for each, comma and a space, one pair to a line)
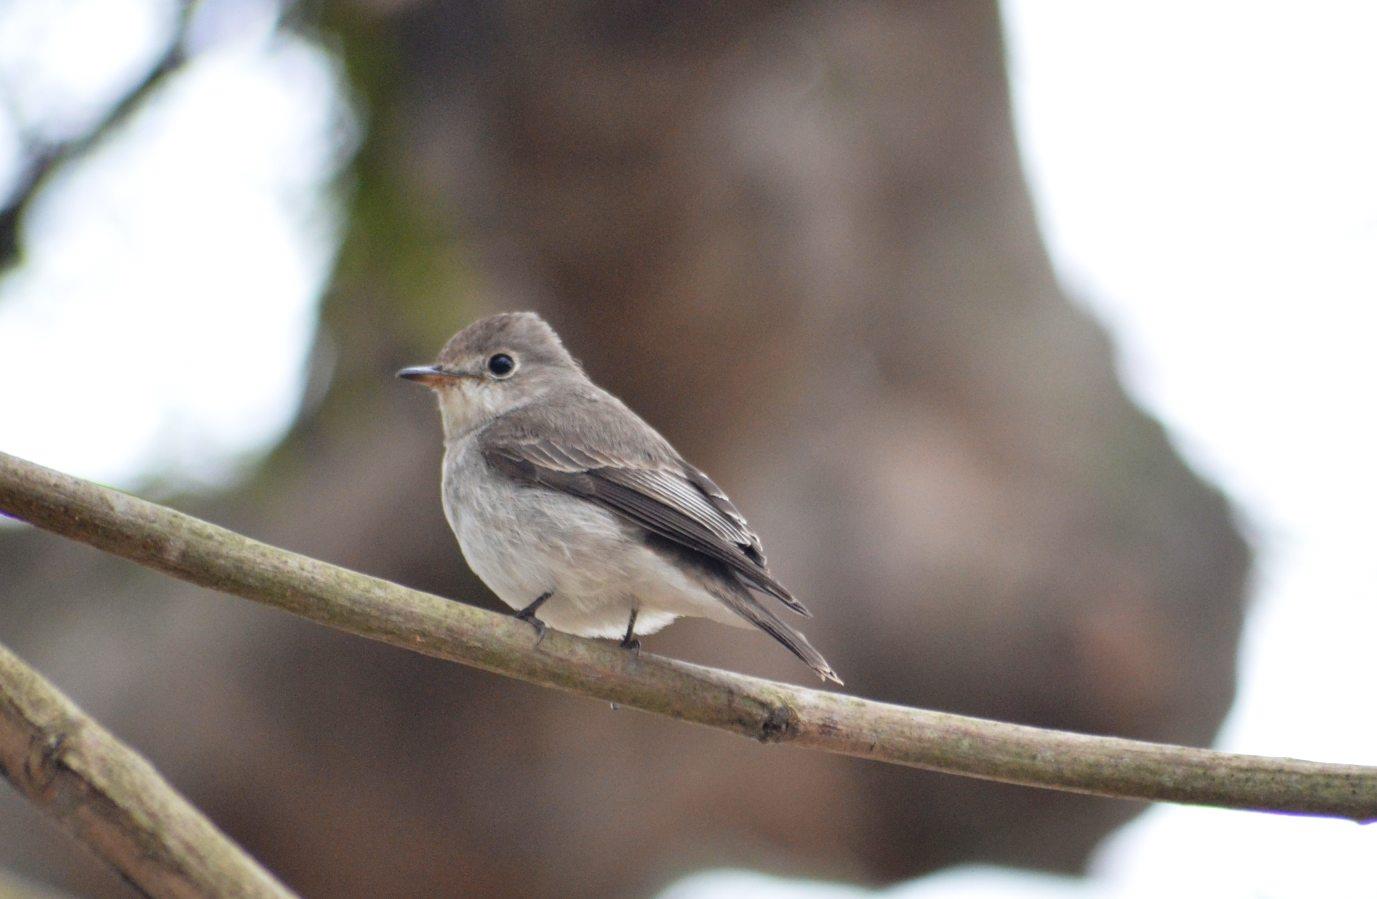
213, 557
111, 799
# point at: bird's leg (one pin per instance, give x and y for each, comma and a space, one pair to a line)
529, 614
629, 641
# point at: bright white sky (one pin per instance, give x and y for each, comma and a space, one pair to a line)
159, 328
1207, 179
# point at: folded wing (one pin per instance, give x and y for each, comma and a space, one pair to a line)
651, 487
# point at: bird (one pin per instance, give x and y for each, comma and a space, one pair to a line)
578, 514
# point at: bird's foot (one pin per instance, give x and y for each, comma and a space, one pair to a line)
528, 614
540, 626
629, 641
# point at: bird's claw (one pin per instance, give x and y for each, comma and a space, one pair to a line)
529, 614
540, 626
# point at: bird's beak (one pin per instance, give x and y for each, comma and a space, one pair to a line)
429, 375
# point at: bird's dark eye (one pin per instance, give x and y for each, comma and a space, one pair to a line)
500, 365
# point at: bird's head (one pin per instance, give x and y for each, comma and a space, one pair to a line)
493, 366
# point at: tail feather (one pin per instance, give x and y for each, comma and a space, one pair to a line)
743, 603
788, 599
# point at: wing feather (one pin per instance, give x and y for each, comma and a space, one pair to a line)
652, 488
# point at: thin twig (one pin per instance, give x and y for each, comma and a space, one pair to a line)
213, 557
45, 160
111, 799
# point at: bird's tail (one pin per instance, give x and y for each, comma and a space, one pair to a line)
743, 603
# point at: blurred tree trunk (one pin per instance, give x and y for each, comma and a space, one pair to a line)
795, 237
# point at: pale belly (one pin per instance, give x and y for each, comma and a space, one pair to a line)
524, 542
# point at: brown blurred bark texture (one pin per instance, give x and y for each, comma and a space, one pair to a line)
796, 237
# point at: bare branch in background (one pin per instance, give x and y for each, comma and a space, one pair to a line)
112, 800
220, 559
45, 160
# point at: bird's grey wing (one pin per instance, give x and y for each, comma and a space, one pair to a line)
656, 490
